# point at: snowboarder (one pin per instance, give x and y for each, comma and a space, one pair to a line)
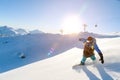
22, 55
89, 46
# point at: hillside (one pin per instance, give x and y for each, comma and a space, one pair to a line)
60, 67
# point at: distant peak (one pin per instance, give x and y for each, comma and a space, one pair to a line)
36, 31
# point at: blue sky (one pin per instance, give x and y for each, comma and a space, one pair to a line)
53, 15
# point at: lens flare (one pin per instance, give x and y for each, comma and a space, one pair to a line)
50, 52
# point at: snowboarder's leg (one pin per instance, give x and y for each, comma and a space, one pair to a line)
83, 60
93, 57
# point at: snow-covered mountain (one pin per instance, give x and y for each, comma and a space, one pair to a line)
6, 31
21, 32
36, 32
56, 54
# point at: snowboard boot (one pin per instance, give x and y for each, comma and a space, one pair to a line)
82, 63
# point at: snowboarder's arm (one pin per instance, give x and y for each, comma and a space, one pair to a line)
97, 48
82, 39
99, 52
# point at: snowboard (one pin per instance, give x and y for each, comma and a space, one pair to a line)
77, 66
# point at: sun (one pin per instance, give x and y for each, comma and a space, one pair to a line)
71, 24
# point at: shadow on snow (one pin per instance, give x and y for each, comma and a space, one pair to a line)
100, 68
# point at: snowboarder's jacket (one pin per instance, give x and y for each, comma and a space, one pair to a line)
89, 47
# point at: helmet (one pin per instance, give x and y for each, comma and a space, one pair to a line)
90, 38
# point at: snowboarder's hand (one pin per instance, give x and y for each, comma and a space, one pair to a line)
102, 61
80, 39
101, 58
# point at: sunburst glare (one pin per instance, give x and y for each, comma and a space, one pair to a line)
71, 23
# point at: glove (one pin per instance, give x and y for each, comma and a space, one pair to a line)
102, 61
80, 39
101, 58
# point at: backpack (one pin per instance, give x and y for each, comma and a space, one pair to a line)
88, 49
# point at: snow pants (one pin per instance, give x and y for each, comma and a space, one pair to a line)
84, 58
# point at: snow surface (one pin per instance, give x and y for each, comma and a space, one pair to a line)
52, 57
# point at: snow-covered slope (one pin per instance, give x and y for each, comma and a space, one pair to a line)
107, 35
60, 67
43, 47
35, 46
